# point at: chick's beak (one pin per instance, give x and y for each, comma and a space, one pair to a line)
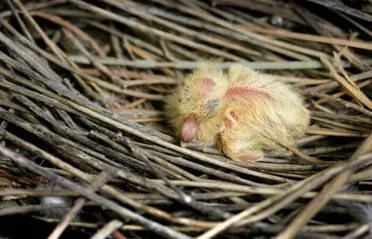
189, 130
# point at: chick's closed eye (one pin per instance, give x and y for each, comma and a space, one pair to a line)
210, 108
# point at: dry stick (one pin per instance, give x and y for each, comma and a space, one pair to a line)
146, 29
109, 228
355, 92
172, 169
20, 22
144, 55
22, 193
337, 57
360, 26
168, 55
186, 199
101, 179
4, 123
363, 175
309, 37
241, 16
218, 185
40, 97
108, 135
46, 39
342, 125
72, 28
126, 45
118, 235
266, 65
48, 77
83, 36
149, 81
313, 160
320, 107
222, 185
340, 94
267, 7
27, 58
91, 58
206, 27
212, 171
106, 188
87, 155
283, 167
57, 36
61, 89
79, 80
115, 41
68, 120
27, 209
130, 7
263, 228
253, 37
87, 193
323, 197
206, 16
174, 47
81, 139
34, 6
29, 93
76, 71
341, 7
336, 133
313, 20
334, 84
283, 198
299, 80
359, 231
352, 57
354, 119
345, 103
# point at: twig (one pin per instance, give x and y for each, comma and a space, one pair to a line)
322, 198
101, 179
145, 64
123, 212
107, 230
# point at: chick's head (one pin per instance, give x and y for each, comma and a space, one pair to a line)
196, 102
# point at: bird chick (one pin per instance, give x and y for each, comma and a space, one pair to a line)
241, 112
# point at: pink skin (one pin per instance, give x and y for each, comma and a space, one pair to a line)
245, 92
189, 129
190, 125
207, 84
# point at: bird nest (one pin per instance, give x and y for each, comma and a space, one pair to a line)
86, 151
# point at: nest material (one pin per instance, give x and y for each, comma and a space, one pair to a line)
81, 99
